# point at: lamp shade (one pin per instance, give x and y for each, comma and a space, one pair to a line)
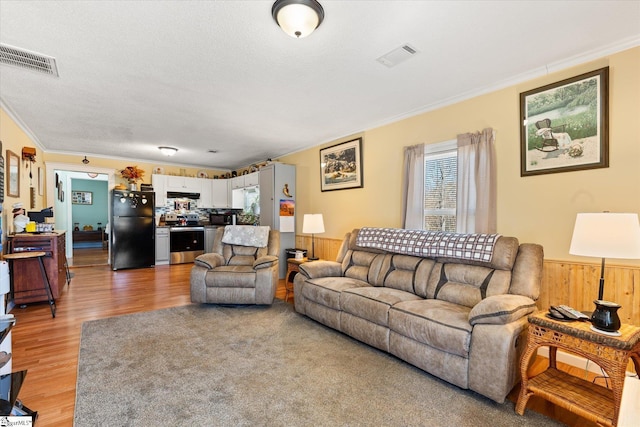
298, 18
606, 235
312, 224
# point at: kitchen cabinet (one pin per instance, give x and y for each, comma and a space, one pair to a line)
252, 179
183, 184
162, 245
237, 182
206, 193
214, 193
159, 183
241, 184
243, 181
274, 177
220, 193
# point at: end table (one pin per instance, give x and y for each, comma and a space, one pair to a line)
593, 402
293, 267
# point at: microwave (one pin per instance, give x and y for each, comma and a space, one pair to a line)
222, 219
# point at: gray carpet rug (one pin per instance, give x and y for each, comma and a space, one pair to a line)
202, 365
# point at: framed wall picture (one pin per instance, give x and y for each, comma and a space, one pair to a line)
40, 182
82, 197
1, 175
341, 166
13, 173
564, 126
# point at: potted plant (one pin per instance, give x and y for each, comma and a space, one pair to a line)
132, 174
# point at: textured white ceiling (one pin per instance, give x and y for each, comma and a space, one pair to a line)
221, 75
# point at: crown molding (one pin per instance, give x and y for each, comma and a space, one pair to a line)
21, 124
578, 59
128, 159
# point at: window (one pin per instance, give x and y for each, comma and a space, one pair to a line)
440, 186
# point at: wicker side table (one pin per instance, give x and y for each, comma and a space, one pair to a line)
292, 269
593, 402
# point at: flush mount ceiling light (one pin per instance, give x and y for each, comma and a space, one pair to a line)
168, 151
298, 18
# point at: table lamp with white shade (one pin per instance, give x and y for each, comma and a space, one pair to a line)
606, 235
312, 224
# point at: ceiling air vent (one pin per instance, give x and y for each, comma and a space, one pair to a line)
398, 55
21, 58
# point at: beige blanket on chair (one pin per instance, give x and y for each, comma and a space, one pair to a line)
246, 235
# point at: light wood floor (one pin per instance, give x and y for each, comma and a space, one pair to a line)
87, 257
48, 347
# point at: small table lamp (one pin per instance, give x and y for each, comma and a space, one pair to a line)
606, 235
312, 224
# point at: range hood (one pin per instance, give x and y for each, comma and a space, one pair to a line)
181, 195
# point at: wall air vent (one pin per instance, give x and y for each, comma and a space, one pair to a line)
398, 55
21, 58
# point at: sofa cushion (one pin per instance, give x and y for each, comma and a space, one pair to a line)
405, 272
326, 290
373, 303
466, 284
363, 265
439, 324
501, 309
231, 276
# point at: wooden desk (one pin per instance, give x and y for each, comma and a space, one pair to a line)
26, 280
593, 402
46, 284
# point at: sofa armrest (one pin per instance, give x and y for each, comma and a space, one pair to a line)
494, 358
501, 309
209, 260
316, 269
266, 261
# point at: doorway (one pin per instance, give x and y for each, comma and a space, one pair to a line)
68, 183
90, 216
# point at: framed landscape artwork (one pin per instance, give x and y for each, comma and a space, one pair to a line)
341, 166
564, 126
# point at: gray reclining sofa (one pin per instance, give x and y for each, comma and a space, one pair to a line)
462, 320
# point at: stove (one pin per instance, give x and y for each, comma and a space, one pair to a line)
182, 220
186, 237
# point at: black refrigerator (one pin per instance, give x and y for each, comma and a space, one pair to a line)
132, 229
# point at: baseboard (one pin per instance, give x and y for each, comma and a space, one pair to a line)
577, 361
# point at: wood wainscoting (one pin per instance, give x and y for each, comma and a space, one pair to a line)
576, 284
570, 283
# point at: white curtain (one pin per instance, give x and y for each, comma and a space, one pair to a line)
476, 200
413, 188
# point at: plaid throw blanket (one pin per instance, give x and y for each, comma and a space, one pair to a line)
429, 244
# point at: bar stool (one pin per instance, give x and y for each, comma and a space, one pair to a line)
18, 256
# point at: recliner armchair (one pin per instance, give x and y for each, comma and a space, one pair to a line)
237, 273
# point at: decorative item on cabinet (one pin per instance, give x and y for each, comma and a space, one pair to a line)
285, 191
